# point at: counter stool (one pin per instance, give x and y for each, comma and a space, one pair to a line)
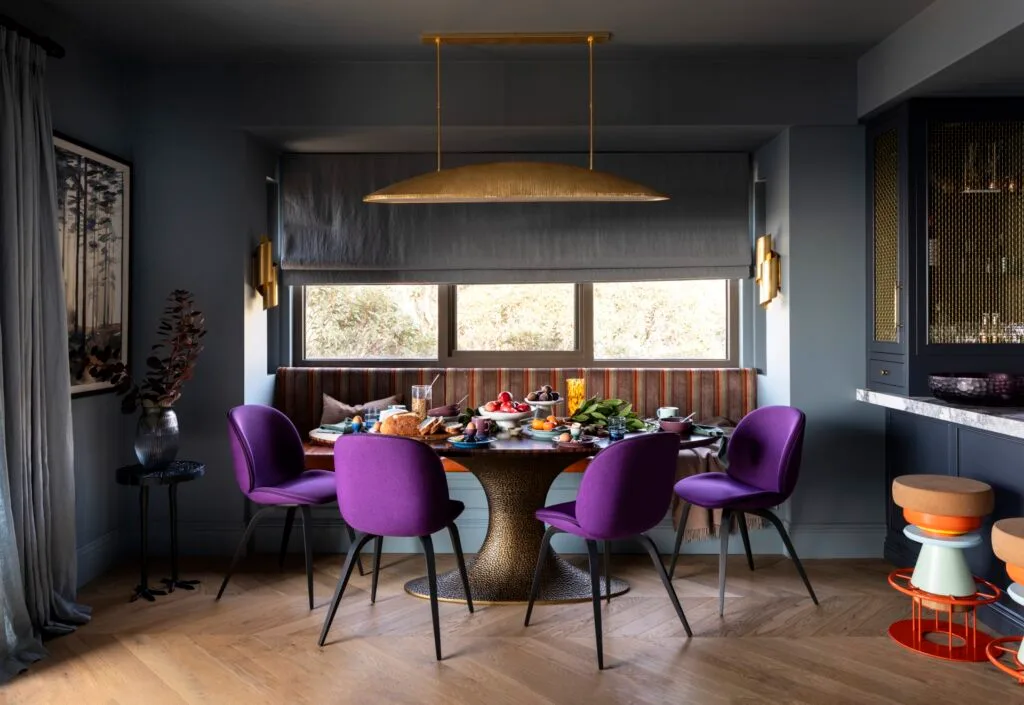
943, 515
1008, 545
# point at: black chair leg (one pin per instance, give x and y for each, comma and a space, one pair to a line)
723, 555
679, 538
545, 545
595, 584
453, 531
607, 571
288, 519
770, 516
428, 553
352, 538
741, 519
652, 551
307, 544
241, 547
346, 572
378, 545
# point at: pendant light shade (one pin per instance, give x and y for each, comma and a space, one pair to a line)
517, 182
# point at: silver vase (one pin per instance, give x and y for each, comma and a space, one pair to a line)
156, 438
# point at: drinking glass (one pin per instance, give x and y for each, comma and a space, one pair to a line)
421, 396
616, 428
372, 417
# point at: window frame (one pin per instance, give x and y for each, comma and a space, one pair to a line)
582, 356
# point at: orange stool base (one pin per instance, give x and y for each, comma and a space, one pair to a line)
951, 641
969, 645
998, 648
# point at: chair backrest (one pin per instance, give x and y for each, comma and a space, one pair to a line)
390, 486
265, 446
766, 447
627, 487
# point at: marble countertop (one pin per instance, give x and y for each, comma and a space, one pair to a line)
1008, 421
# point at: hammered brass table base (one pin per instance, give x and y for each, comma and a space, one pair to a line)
516, 485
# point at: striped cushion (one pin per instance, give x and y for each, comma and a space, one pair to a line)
729, 393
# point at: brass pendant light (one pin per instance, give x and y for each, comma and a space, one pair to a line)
516, 182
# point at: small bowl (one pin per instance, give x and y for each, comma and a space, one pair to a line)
676, 424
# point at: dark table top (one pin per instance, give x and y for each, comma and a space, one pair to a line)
511, 446
178, 471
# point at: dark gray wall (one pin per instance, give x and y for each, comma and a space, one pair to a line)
814, 336
87, 98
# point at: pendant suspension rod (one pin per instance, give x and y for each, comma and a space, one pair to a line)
590, 67
437, 45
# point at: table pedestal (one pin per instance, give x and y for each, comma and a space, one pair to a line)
503, 569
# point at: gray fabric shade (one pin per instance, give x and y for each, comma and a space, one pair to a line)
329, 236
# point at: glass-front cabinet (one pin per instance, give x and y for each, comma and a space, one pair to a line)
945, 241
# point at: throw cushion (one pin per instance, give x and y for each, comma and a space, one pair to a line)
336, 411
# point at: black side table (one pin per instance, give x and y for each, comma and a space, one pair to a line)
173, 475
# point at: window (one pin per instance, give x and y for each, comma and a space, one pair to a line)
392, 322
675, 320
515, 317
631, 324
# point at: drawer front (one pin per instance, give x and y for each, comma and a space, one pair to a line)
886, 372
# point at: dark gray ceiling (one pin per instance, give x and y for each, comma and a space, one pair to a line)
266, 29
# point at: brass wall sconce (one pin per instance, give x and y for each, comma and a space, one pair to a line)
264, 273
767, 271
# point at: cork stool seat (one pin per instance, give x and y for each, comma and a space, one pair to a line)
943, 505
1008, 545
943, 514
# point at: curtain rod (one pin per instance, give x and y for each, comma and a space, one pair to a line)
51, 47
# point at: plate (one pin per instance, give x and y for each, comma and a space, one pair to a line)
543, 435
457, 442
583, 442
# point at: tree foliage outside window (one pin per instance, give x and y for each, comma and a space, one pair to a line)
516, 317
671, 320
389, 322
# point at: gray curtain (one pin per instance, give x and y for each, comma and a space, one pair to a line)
38, 568
329, 236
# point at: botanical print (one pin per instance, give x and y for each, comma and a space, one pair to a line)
93, 198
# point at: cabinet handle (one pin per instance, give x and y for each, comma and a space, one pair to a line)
896, 288
884, 373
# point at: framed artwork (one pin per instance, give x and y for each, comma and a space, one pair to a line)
93, 222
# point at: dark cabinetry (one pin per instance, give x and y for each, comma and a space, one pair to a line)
945, 241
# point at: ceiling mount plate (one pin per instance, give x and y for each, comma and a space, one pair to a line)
515, 37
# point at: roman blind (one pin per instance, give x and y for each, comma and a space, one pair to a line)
329, 236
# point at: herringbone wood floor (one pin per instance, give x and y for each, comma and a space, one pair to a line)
258, 645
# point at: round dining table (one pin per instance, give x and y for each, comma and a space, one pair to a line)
516, 475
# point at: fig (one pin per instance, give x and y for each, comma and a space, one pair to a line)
546, 388
532, 396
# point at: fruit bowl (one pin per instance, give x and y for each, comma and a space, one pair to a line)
505, 420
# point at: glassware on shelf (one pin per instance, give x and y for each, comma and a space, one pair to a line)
575, 393
421, 396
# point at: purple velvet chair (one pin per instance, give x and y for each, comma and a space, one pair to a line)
270, 469
391, 486
764, 463
625, 492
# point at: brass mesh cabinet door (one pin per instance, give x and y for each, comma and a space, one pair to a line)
975, 233
886, 237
